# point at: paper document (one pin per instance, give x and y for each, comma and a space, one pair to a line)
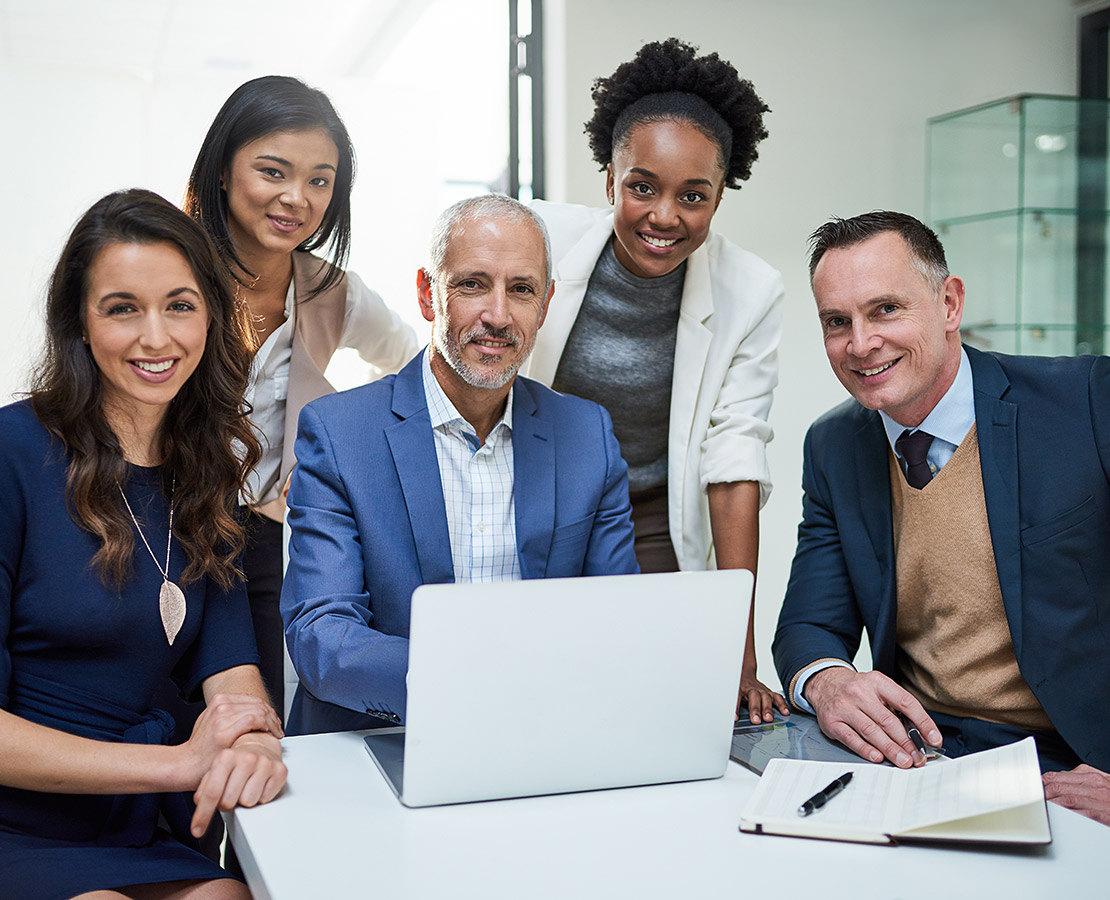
995, 795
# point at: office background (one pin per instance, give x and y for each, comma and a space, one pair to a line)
106, 95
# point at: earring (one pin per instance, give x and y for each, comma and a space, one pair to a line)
612, 199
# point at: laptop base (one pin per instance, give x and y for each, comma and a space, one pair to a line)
386, 747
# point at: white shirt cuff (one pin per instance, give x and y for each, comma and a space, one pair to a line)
799, 699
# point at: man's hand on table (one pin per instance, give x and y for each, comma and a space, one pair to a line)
1084, 789
861, 710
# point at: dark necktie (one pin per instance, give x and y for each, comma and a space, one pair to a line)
914, 447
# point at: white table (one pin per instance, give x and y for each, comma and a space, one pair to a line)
338, 831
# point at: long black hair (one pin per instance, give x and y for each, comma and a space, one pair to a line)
258, 108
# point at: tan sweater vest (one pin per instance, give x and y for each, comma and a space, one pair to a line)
955, 655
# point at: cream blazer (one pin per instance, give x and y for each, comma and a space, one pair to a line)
725, 365
317, 333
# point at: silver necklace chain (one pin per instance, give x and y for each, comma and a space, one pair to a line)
169, 537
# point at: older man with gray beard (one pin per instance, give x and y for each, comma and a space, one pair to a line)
455, 469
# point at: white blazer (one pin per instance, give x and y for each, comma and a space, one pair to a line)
725, 364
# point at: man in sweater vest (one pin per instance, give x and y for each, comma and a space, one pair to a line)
958, 508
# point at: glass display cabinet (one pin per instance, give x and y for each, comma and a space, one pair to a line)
1017, 191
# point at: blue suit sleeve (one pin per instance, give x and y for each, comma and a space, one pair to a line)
610, 548
338, 654
820, 618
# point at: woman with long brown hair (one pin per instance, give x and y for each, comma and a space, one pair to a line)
118, 548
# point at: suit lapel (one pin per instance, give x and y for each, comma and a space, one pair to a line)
694, 338
306, 383
414, 456
873, 489
317, 331
572, 274
996, 424
533, 482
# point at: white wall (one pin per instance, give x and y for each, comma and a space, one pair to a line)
100, 115
850, 84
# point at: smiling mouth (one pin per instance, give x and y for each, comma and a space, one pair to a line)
877, 370
661, 243
285, 223
153, 367
491, 347
491, 343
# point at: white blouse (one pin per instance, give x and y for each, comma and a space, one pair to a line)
369, 326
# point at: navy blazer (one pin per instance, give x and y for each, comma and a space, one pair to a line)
369, 525
1044, 447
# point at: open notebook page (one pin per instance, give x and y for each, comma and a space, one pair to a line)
889, 801
986, 782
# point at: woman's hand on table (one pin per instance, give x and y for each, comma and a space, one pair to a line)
246, 774
225, 719
760, 700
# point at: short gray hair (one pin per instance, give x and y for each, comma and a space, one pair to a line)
486, 206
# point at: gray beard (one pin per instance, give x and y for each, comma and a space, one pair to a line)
449, 349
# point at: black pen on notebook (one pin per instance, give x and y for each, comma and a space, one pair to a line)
823, 796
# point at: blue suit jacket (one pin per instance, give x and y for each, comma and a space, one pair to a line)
369, 526
1044, 447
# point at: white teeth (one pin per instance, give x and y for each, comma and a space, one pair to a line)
659, 242
878, 370
154, 367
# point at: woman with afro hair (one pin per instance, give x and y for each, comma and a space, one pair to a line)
672, 328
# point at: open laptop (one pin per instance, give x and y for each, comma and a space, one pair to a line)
552, 685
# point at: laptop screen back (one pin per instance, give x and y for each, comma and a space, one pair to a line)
546, 686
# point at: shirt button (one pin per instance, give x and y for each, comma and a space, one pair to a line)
481, 526
932, 468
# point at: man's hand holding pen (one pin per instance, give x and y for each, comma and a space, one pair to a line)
863, 711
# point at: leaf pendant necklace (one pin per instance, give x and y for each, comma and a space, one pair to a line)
171, 601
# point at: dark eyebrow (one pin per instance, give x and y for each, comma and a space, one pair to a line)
127, 295
868, 307
177, 292
647, 173
287, 164
116, 295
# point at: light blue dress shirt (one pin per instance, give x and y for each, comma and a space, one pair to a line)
477, 481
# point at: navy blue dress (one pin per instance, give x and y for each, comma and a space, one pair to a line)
81, 657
